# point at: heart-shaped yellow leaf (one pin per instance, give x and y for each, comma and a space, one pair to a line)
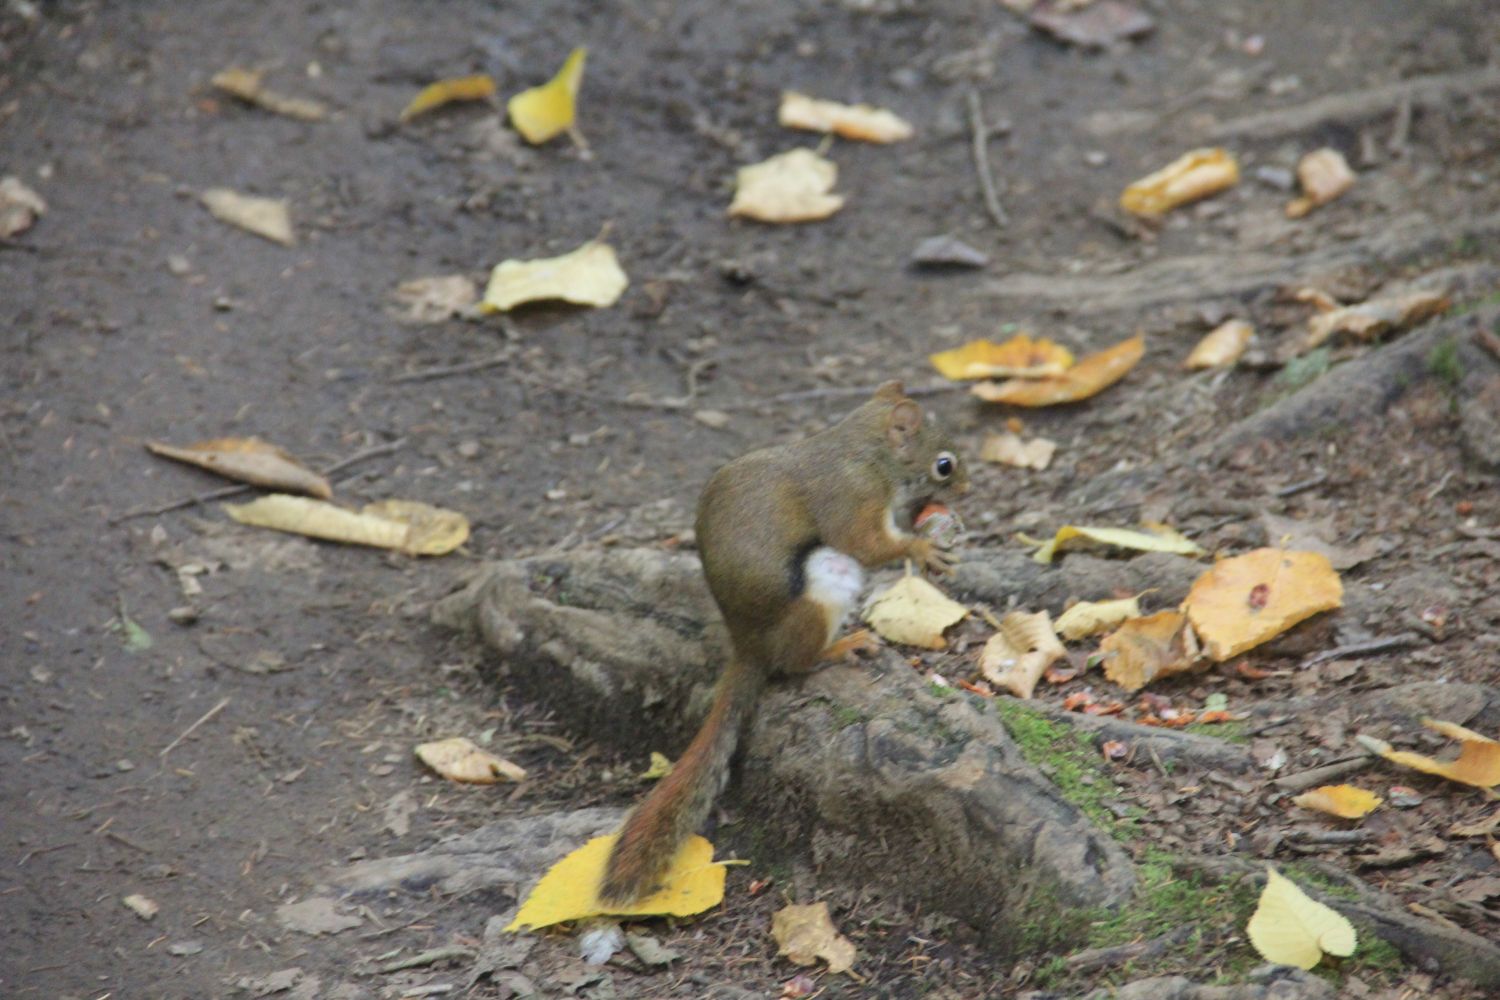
1289, 927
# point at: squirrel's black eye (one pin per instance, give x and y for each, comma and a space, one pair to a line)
943, 465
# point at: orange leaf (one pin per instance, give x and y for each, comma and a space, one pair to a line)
1478, 762
1343, 801
1245, 601
1089, 376
1193, 175
1018, 357
1144, 649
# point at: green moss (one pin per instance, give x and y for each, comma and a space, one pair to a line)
1070, 760
844, 716
941, 690
1444, 365
1229, 732
1300, 371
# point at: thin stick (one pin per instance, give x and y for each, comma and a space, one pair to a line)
444, 371
190, 729
982, 160
1363, 648
225, 492
839, 392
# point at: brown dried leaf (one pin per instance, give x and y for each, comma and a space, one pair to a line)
1008, 449
1245, 601
805, 934
1015, 657
794, 186
1193, 175
1325, 175
246, 85
851, 121
1371, 319
1222, 346
20, 207
249, 460
1091, 375
270, 218
1145, 649
458, 759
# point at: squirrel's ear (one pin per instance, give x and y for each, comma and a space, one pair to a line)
892, 391
903, 423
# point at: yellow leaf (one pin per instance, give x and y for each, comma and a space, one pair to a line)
1091, 375
588, 276
1221, 346
1159, 538
458, 759
1145, 649
1008, 449
545, 112
411, 527
265, 217
661, 766
790, 187
1478, 762
1018, 357
1193, 175
1245, 601
1015, 657
1325, 175
913, 612
457, 88
1343, 801
569, 890
1088, 618
1369, 320
250, 460
246, 85
857, 121
805, 934
1291, 928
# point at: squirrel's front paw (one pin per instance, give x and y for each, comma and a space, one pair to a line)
935, 560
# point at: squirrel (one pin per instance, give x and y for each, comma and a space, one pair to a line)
784, 534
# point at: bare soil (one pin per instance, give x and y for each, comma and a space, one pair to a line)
264, 737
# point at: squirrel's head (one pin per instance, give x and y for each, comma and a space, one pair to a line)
931, 467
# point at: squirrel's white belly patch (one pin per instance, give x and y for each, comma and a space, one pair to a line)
834, 580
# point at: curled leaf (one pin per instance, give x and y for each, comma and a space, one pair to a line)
246, 85
457, 88
1092, 375
1088, 618
856, 121
270, 218
458, 759
1145, 649
1018, 357
588, 276
805, 934
1478, 761
794, 186
1372, 319
249, 460
1325, 175
1008, 449
1157, 538
405, 525
1015, 657
1222, 346
543, 113
1193, 175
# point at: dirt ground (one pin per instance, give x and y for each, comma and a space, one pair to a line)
310, 670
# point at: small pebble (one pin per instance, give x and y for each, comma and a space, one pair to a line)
185, 948
184, 615
1096, 158
468, 449
1279, 178
178, 264
124, 765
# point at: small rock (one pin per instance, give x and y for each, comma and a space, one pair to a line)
947, 251
141, 906
1279, 178
184, 614
1096, 158
468, 449
178, 264
124, 765
717, 419
185, 948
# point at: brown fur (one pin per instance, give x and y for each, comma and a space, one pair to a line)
844, 488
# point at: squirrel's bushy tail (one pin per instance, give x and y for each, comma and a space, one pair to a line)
680, 802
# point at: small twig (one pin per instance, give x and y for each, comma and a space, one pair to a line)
1332, 836
1270, 724
444, 371
982, 160
430, 957
225, 492
1095, 959
206, 716
122, 839
1400, 128
1304, 780
1489, 341
839, 392
1303, 485
1369, 648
